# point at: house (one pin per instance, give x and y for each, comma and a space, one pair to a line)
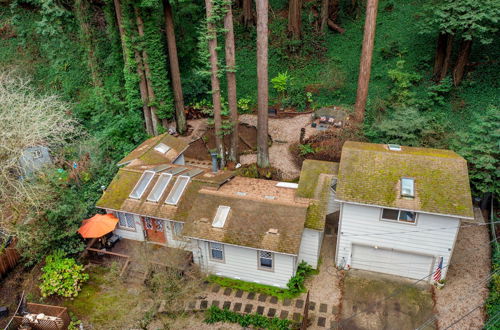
243, 228
400, 208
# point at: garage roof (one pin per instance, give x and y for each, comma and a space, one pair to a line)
371, 174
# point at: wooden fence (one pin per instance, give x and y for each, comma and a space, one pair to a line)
8, 258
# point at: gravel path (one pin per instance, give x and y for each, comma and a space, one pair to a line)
466, 286
284, 132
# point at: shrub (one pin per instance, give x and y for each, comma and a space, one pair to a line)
62, 276
493, 301
296, 283
245, 105
281, 82
215, 314
305, 149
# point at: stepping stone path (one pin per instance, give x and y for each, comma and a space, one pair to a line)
320, 314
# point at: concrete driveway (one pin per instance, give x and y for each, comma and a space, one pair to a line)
378, 301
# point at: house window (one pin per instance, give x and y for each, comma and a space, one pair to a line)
265, 260
407, 187
125, 220
216, 251
399, 215
177, 228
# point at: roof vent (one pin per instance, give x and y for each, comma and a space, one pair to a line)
273, 231
162, 148
221, 216
241, 193
394, 147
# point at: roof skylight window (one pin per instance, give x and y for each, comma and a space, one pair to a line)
175, 194
142, 184
221, 216
394, 147
162, 148
159, 188
407, 187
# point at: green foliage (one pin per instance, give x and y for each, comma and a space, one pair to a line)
281, 82
306, 149
437, 93
62, 276
479, 145
296, 283
245, 105
493, 301
402, 82
215, 314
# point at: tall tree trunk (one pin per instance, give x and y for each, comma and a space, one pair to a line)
81, 13
175, 74
366, 59
212, 48
462, 60
325, 4
262, 84
149, 84
140, 71
447, 58
294, 18
440, 54
231, 83
247, 16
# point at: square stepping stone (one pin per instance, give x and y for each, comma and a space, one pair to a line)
312, 305
192, 304
205, 285
215, 303
204, 304
251, 296
287, 302
226, 305
227, 291
323, 308
262, 297
296, 317
283, 314
237, 307
299, 303
260, 310
273, 300
321, 322
239, 293
248, 308
215, 288
271, 312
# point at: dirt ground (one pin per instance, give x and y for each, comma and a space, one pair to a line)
466, 283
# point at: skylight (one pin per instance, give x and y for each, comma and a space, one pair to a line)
221, 216
177, 190
162, 148
407, 187
287, 185
159, 188
394, 147
142, 184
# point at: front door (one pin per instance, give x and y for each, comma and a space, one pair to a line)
155, 230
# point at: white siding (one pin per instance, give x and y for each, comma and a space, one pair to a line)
241, 263
180, 160
332, 206
310, 246
173, 240
427, 237
137, 235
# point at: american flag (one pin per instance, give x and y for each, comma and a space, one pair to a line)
437, 273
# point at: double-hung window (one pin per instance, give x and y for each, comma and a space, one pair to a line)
266, 260
125, 220
399, 215
216, 251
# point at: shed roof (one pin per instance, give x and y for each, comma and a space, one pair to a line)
145, 154
371, 173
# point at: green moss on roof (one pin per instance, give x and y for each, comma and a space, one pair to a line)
316, 212
371, 174
311, 170
119, 189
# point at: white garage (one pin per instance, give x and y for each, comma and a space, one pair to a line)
391, 261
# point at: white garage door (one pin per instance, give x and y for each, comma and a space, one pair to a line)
391, 262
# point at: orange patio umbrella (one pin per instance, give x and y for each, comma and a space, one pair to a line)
97, 226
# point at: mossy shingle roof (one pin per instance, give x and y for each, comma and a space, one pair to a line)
371, 173
145, 154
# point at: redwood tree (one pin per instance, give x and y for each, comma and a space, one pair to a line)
262, 84
231, 82
247, 16
294, 18
216, 98
174, 68
366, 59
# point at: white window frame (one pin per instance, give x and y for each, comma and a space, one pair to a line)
260, 257
122, 217
145, 187
177, 229
216, 247
398, 220
412, 188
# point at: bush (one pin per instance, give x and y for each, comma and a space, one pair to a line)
62, 276
296, 283
493, 301
215, 314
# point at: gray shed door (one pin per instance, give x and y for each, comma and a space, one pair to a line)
393, 262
